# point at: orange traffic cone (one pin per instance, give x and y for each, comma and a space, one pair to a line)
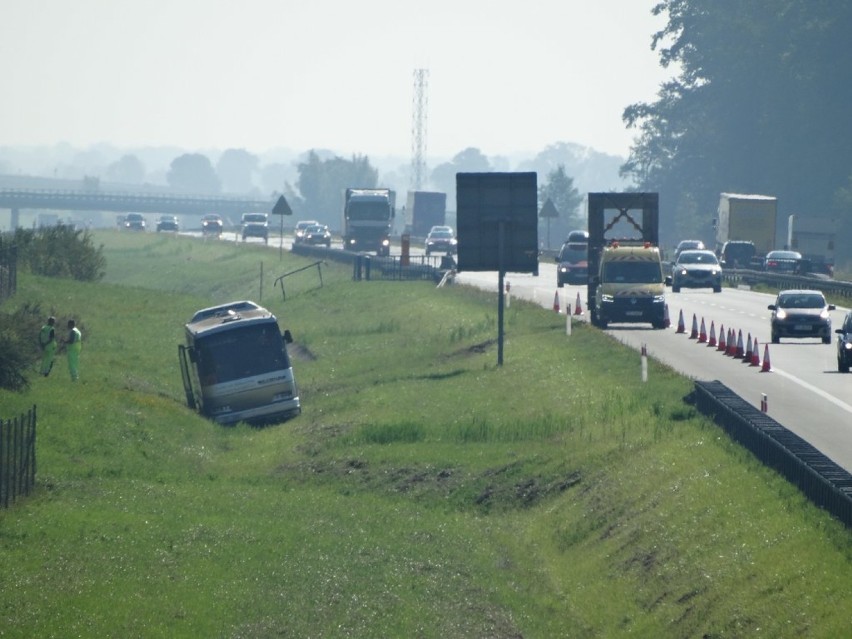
556, 301
667, 322
702, 334
694, 333
681, 327
578, 309
732, 343
739, 352
747, 353
711, 341
755, 354
723, 340
766, 367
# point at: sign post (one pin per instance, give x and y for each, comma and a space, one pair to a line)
281, 209
497, 228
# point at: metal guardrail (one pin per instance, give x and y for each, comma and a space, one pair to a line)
372, 267
824, 482
782, 281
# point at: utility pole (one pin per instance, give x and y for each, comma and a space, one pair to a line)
418, 129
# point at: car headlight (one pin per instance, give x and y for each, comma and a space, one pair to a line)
563, 269
606, 298
659, 299
714, 272
683, 271
385, 242
847, 346
824, 314
780, 314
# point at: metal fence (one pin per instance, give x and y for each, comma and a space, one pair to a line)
17, 457
824, 482
8, 269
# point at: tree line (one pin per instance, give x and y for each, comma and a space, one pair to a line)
759, 105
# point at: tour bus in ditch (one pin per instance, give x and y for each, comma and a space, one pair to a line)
235, 366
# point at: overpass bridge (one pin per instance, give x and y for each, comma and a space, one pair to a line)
119, 202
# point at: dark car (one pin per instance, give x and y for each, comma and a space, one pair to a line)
441, 240
737, 254
783, 262
167, 223
212, 225
576, 237
688, 245
134, 222
800, 313
697, 269
255, 225
844, 344
572, 264
317, 234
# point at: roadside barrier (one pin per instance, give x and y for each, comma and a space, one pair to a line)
824, 482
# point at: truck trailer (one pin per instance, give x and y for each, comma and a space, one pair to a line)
814, 238
423, 210
747, 218
367, 219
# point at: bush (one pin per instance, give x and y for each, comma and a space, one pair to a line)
60, 251
19, 346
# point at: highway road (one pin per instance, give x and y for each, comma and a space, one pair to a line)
804, 391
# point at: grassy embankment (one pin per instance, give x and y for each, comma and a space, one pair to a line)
424, 492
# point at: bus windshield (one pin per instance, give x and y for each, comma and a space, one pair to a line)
242, 352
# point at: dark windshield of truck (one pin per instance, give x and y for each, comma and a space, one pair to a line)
241, 352
624, 272
573, 253
360, 211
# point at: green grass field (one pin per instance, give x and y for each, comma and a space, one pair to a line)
424, 491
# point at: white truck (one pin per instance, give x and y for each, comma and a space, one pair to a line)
814, 238
747, 218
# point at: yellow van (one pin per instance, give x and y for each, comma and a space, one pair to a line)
631, 286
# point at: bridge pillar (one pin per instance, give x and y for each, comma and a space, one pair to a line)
15, 222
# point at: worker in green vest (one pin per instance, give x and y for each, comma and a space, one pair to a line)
74, 343
47, 341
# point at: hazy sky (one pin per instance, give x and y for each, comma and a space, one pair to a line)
337, 74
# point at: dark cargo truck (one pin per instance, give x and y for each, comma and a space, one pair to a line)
423, 210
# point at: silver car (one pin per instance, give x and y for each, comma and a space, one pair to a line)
697, 269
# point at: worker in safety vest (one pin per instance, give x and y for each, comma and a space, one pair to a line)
47, 341
74, 343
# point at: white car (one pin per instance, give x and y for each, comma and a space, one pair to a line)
301, 227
